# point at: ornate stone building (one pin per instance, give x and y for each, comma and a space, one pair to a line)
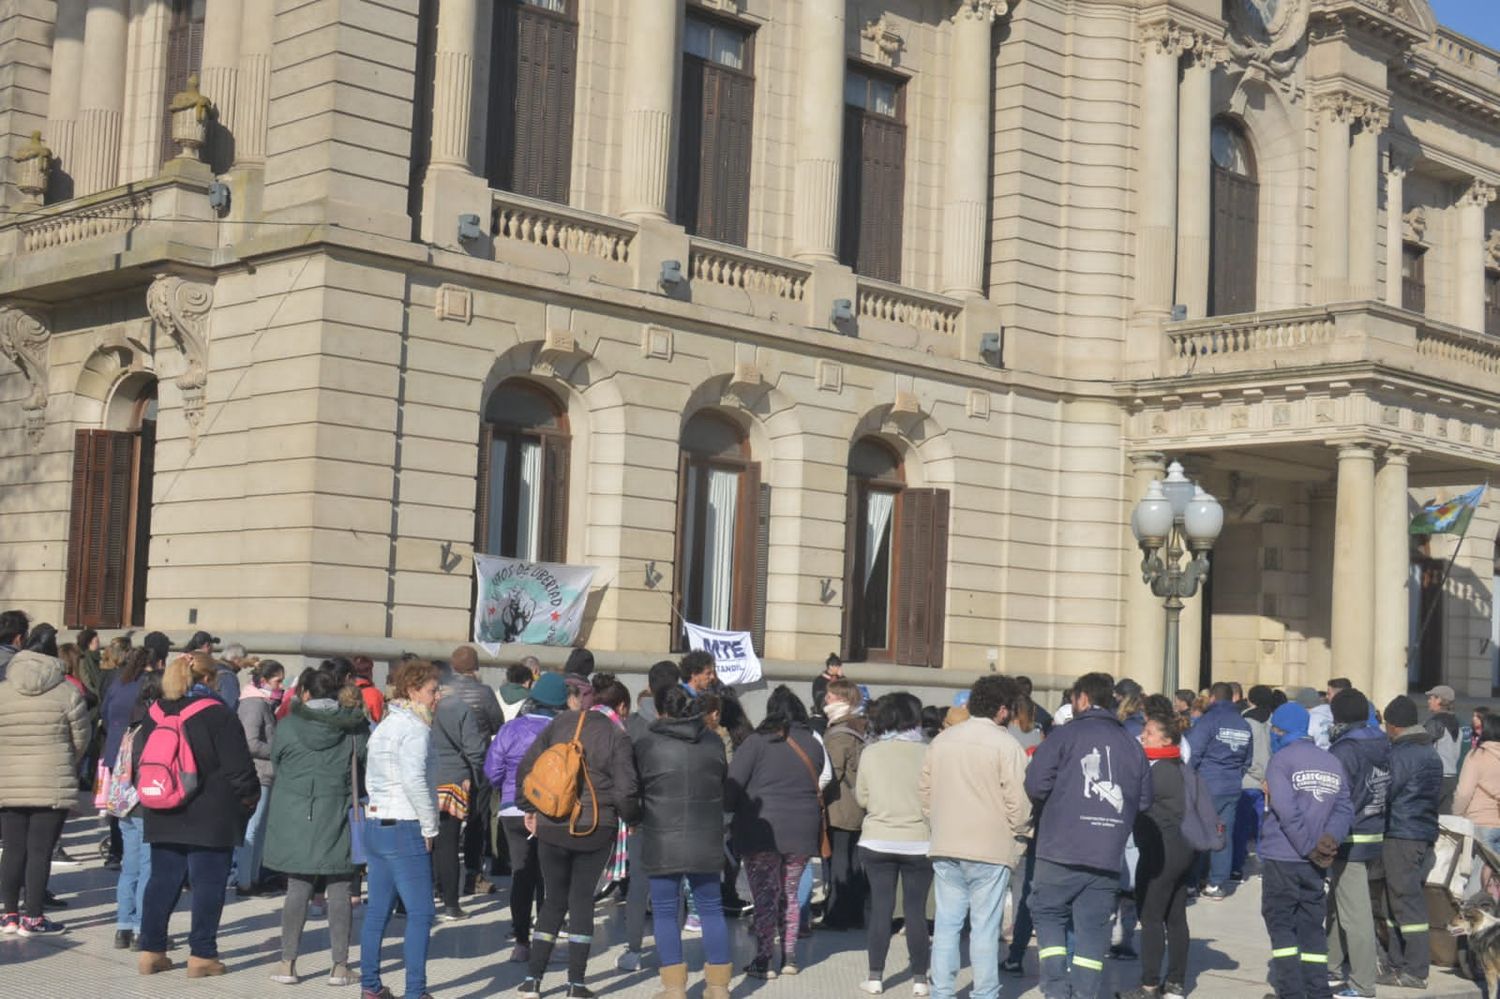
854, 323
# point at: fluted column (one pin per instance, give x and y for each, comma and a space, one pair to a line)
1469, 255
253, 96
1331, 207
820, 131
1145, 616
1156, 239
966, 195
101, 97
453, 84
653, 53
1395, 228
1354, 564
222, 26
1364, 204
1194, 180
66, 79
1392, 577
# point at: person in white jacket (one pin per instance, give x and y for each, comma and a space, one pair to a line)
400, 824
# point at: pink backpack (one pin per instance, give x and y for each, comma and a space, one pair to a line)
166, 775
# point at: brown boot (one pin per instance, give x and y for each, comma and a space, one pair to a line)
150, 963
204, 967
716, 980
673, 982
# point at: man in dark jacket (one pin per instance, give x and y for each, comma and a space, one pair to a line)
1365, 753
458, 747
1221, 752
1308, 812
833, 669
480, 698
1406, 856
1088, 780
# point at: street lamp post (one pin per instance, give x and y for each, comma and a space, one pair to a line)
1175, 516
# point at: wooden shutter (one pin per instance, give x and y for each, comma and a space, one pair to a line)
851, 649
680, 567
872, 199
762, 567
1232, 253
545, 57
556, 454
482, 490
690, 145
922, 576
100, 525
140, 522
747, 516
850, 186
184, 59
713, 183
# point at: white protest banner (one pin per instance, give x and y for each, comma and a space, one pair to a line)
733, 651
528, 603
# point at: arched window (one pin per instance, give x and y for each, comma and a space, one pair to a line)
109, 528
1236, 220
723, 520
524, 456
895, 562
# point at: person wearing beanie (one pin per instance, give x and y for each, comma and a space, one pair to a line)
1308, 813
1252, 804
1365, 753
1411, 829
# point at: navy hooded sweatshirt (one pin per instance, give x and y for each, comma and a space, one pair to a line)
1088, 779
1222, 748
1308, 795
1365, 753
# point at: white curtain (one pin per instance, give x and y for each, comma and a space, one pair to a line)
878, 508
718, 547
529, 523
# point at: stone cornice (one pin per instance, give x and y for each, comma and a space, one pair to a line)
26, 341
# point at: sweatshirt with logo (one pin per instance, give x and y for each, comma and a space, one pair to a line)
1307, 796
1365, 753
1222, 748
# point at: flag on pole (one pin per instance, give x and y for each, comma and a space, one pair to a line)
1451, 517
530, 603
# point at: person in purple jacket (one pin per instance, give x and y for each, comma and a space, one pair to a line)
549, 695
1309, 811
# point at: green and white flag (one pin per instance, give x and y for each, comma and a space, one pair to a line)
528, 603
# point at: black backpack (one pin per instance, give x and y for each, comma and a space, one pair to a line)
1200, 820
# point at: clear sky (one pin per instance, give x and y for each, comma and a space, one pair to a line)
1479, 19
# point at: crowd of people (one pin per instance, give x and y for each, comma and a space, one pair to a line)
216, 773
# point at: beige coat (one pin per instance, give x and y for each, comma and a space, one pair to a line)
1478, 796
46, 730
974, 795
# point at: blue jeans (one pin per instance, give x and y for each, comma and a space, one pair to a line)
804, 891
968, 888
1084, 897
1020, 932
1219, 860
172, 865
664, 906
135, 871
1247, 819
247, 857
400, 864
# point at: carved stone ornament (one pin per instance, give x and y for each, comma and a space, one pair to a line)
1337, 104
1205, 50
179, 308
25, 341
1414, 225
1165, 38
888, 43
1268, 30
984, 10
1492, 249
190, 111
1478, 194
558, 353
34, 163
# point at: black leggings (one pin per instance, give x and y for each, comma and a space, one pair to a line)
445, 849
29, 835
571, 877
881, 870
1161, 905
525, 876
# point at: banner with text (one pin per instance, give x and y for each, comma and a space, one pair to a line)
528, 603
733, 651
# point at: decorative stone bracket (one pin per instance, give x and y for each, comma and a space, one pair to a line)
180, 308
26, 341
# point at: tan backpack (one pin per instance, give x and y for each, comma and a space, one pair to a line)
552, 784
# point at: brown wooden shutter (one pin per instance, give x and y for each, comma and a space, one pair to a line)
851, 649
556, 453
680, 568
762, 568
873, 194
1413, 278
140, 557
1232, 253
713, 183
482, 490
922, 583
541, 96
100, 528
690, 145
850, 186
746, 522
184, 58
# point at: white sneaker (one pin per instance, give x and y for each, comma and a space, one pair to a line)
921, 988
872, 986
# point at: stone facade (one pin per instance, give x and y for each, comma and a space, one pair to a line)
323, 345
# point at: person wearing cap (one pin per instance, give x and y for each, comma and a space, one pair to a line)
1442, 725
1365, 753
1308, 812
1406, 856
1220, 750
225, 682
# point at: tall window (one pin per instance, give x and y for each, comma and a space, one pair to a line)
895, 562
873, 188
1492, 302
1413, 277
718, 104
184, 59
1236, 220
524, 455
535, 59
109, 529
723, 521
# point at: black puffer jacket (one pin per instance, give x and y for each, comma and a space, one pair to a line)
1416, 786
682, 769
774, 794
215, 816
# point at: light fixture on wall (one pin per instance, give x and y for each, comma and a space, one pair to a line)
1179, 313
992, 348
843, 311
468, 228
671, 275
218, 197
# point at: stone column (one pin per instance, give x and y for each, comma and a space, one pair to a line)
223, 22
452, 84
820, 131
1364, 204
1331, 208
1392, 575
1156, 219
1469, 255
1194, 179
67, 73
1145, 616
1395, 227
1354, 564
253, 101
653, 52
101, 97
966, 194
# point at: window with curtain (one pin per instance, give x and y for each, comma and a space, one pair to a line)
872, 191
534, 55
713, 145
1233, 252
524, 456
